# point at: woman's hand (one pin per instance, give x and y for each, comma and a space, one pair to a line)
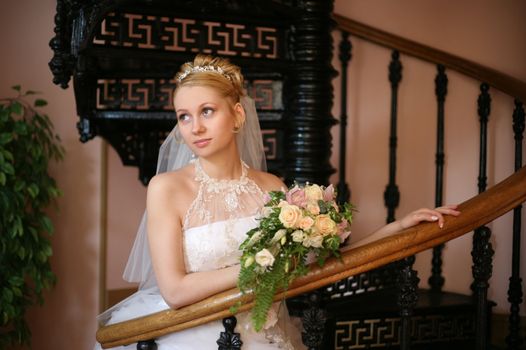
410, 220
425, 214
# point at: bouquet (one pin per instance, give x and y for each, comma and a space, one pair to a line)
305, 220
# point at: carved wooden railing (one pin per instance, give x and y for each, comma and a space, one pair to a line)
482, 252
493, 78
476, 212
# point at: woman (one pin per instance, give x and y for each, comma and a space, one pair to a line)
198, 211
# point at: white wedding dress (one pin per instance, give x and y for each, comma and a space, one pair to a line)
215, 225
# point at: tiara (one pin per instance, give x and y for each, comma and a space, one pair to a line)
208, 69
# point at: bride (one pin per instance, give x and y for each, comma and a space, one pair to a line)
209, 187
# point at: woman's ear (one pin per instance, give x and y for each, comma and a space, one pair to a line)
240, 116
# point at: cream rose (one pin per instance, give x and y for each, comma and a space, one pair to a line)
313, 193
265, 212
314, 240
306, 223
264, 258
278, 235
290, 216
298, 235
324, 225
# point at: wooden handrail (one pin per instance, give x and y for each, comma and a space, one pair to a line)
505, 83
476, 212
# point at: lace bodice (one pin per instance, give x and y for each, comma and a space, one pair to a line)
218, 219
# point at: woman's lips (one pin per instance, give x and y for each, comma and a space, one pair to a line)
202, 143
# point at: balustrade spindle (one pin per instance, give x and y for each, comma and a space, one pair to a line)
482, 252
147, 345
392, 194
408, 280
436, 280
345, 56
229, 340
514, 340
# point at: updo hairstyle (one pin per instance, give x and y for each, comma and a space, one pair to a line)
229, 83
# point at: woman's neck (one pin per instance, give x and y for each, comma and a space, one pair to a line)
225, 168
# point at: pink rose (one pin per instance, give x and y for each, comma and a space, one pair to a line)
328, 193
266, 198
343, 230
296, 196
342, 226
343, 235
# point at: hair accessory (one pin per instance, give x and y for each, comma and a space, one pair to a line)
208, 69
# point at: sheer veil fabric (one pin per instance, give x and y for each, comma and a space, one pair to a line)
175, 154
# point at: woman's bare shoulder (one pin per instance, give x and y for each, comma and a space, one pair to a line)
166, 184
267, 181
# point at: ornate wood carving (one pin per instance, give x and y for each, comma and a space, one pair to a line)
229, 340
122, 56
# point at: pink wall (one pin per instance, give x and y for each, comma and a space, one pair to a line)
492, 35
488, 32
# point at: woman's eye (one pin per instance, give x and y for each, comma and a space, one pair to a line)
207, 112
183, 117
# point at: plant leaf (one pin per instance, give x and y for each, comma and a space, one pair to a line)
17, 108
5, 138
40, 102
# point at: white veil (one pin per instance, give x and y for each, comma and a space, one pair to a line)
175, 154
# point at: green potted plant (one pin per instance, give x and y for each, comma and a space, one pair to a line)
27, 144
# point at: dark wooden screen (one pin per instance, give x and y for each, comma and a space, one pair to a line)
122, 57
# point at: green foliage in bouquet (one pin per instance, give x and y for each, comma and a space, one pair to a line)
27, 144
294, 224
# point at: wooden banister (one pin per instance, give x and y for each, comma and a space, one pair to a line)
505, 83
476, 212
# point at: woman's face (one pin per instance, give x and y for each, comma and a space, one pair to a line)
206, 120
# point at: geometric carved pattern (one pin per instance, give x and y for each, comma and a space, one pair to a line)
373, 280
150, 32
156, 94
135, 94
359, 334
384, 332
270, 143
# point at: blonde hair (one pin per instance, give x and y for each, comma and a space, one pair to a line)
224, 77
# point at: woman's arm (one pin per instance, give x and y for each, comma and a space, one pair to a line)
410, 220
165, 237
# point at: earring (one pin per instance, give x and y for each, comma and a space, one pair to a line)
236, 129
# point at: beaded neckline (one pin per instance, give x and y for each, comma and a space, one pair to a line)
219, 200
202, 176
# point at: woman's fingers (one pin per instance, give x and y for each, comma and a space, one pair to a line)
430, 215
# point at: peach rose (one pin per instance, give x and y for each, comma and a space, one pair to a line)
306, 223
313, 208
324, 225
313, 193
290, 216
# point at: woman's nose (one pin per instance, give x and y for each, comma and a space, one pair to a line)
197, 126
